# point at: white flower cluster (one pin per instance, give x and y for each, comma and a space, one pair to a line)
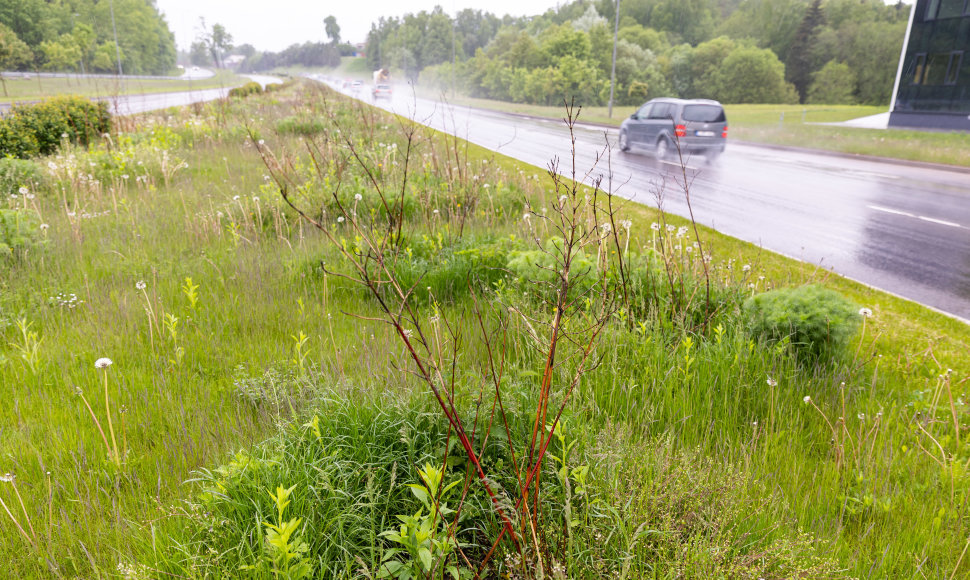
65, 300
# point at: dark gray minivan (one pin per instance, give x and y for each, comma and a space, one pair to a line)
697, 126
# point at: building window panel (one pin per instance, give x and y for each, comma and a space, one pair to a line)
953, 69
919, 65
945, 9
936, 68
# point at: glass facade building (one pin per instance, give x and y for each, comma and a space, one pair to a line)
933, 84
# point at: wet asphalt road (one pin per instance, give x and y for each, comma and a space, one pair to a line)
900, 228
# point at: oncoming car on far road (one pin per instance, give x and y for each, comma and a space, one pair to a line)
660, 126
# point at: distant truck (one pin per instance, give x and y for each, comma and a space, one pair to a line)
382, 76
382, 84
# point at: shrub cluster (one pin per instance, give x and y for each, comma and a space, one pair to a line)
19, 232
818, 322
17, 173
38, 129
250, 88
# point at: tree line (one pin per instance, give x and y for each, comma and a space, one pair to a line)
78, 35
736, 51
307, 54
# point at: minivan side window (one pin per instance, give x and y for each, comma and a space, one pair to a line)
644, 111
661, 111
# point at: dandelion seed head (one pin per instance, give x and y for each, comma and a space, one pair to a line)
43, 227
235, 198
806, 399
865, 312
655, 227
7, 478
102, 363
340, 219
626, 224
358, 197
772, 382
23, 191
746, 268
140, 285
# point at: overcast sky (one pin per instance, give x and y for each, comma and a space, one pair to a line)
276, 24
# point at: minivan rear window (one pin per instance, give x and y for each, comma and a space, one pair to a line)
704, 114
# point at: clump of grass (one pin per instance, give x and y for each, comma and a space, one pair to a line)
666, 511
349, 468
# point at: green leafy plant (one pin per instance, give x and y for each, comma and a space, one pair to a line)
284, 550
818, 322
426, 541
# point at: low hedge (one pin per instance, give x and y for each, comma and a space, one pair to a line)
250, 88
38, 129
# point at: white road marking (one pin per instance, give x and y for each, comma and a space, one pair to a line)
919, 217
941, 222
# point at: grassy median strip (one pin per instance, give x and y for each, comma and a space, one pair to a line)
244, 362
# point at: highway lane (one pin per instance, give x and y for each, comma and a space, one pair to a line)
900, 228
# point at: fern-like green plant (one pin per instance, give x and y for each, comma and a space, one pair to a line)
817, 321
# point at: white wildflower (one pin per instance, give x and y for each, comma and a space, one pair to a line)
626, 224
358, 197
807, 399
140, 285
865, 312
235, 198
43, 227
23, 191
746, 268
772, 382
102, 363
7, 477
340, 220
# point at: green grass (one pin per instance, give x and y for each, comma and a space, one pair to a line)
36, 88
697, 464
790, 125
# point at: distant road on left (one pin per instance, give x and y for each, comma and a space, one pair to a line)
140, 103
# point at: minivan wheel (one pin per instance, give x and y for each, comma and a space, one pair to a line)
624, 141
663, 149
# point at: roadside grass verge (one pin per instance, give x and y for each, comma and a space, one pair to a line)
695, 451
786, 125
37, 87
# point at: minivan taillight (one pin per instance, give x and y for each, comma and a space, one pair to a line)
724, 133
680, 131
